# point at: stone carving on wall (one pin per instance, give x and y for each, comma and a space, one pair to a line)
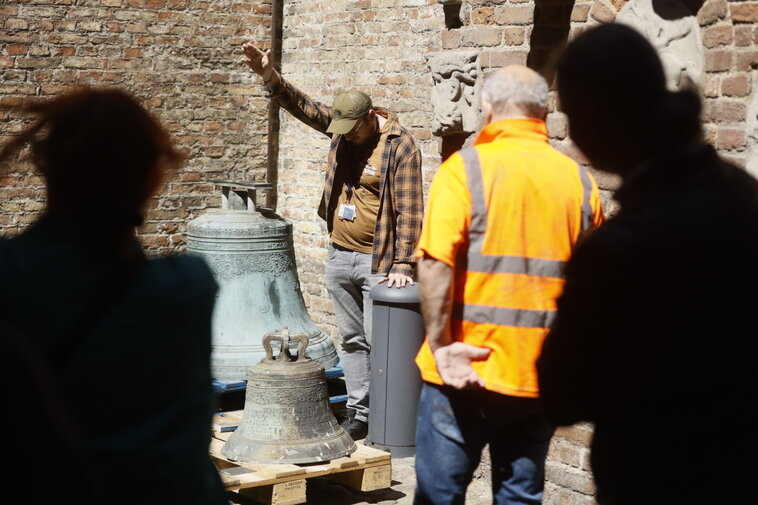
674, 31
751, 127
455, 96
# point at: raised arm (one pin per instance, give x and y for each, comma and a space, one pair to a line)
311, 112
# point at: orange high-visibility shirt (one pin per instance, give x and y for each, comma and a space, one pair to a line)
506, 214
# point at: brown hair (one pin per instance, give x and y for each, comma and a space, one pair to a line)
99, 151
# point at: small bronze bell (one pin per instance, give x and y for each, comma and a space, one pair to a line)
287, 417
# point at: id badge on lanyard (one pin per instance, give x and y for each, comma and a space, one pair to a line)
346, 211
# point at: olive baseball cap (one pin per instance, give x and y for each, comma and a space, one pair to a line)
347, 109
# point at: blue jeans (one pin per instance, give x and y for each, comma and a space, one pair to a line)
452, 429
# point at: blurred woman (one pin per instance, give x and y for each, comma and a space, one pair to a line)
126, 341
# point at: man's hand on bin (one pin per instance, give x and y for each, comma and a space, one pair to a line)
454, 364
399, 280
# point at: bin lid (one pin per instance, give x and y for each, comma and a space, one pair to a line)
407, 294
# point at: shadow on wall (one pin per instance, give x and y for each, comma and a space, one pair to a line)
672, 10
552, 24
550, 31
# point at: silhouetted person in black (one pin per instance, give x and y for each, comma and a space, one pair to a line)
654, 337
40, 438
125, 341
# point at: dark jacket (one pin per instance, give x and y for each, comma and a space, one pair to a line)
654, 335
136, 383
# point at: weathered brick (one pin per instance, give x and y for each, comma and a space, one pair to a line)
483, 16
743, 35
479, 36
16, 24
618, 4
90, 26
503, 58
514, 15
450, 39
744, 12
712, 11
33, 63
731, 138
16, 49
718, 60
39, 51
720, 35
725, 111
711, 85
514, 36
736, 85
746, 60
569, 477
566, 453
603, 12
557, 125
43, 25
579, 433
580, 13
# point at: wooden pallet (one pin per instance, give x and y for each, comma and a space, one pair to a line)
367, 469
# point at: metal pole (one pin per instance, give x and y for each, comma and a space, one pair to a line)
272, 154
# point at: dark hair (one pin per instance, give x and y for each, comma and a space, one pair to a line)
617, 72
99, 151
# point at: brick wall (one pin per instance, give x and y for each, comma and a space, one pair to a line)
378, 46
177, 55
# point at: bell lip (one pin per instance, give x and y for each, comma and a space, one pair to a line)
344, 437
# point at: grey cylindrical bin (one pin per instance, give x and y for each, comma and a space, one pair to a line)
397, 335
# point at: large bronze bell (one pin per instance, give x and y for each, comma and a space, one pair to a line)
252, 255
287, 417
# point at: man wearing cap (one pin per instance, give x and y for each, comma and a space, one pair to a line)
373, 207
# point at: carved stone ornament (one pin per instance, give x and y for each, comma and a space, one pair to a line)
751, 127
456, 92
674, 32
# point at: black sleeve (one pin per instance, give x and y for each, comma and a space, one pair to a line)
572, 368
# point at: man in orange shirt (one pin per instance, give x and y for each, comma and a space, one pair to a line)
502, 220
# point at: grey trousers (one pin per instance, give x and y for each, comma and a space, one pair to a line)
349, 281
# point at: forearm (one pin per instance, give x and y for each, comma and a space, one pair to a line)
409, 209
435, 291
311, 112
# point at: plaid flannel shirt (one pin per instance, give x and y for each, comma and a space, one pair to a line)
401, 199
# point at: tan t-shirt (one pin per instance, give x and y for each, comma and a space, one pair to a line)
363, 192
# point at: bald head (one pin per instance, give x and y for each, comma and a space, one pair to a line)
515, 91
